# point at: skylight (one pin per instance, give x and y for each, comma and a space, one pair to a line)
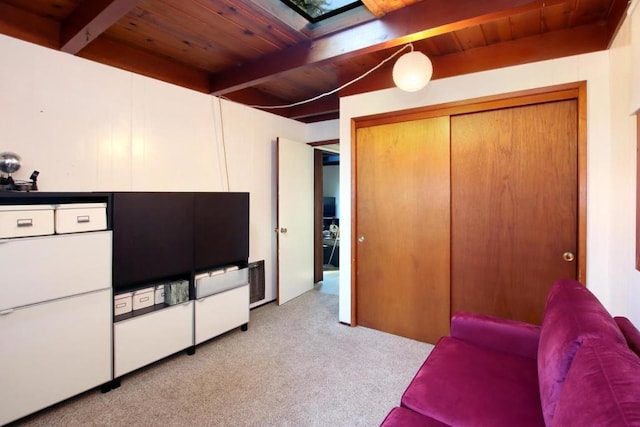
317, 10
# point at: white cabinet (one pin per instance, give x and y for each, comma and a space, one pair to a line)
219, 313
145, 339
39, 269
52, 351
55, 311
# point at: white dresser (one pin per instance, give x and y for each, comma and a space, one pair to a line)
55, 306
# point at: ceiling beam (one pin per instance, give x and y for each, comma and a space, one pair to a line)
551, 45
90, 20
418, 21
326, 105
616, 18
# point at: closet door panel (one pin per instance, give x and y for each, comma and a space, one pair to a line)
514, 207
402, 228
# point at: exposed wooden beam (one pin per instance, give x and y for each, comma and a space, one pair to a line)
381, 7
616, 18
375, 7
327, 105
27, 26
552, 45
421, 20
110, 52
90, 20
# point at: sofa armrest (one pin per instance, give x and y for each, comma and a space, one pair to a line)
509, 336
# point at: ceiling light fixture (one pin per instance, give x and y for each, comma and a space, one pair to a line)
412, 71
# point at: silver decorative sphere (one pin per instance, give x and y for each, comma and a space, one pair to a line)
9, 162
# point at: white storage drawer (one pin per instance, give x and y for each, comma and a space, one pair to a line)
26, 220
219, 313
219, 281
79, 217
53, 351
142, 340
38, 269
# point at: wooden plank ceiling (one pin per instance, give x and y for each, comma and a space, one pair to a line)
259, 52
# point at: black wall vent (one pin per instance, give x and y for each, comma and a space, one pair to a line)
256, 281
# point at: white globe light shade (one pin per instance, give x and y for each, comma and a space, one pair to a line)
412, 71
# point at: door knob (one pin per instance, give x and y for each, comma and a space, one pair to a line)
360, 239
568, 256
283, 230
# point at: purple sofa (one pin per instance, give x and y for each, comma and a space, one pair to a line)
580, 368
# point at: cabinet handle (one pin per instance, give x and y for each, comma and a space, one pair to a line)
83, 218
25, 222
6, 312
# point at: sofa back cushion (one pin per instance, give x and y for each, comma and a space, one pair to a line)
571, 315
602, 387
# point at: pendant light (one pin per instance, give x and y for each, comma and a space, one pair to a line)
412, 71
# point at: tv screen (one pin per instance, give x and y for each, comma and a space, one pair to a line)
329, 206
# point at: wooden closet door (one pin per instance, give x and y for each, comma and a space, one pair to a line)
402, 228
514, 207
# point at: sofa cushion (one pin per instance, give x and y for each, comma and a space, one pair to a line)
467, 385
602, 387
494, 333
631, 334
572, 314
403, 417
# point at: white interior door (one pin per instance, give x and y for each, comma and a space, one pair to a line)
295, 219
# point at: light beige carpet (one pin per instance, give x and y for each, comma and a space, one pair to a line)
295, 366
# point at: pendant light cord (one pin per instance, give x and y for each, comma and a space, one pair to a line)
322, 95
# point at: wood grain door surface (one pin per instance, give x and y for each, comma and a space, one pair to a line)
473, 212
402, 228
514, 207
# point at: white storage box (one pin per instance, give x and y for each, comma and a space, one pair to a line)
217, 281
79, 217
143, 298
26, 220
122, 303
159, 294
176, 292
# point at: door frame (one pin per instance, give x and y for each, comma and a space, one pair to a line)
576, 90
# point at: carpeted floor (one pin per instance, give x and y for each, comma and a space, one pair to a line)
295, 366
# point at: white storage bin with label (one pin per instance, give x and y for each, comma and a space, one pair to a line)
122, 303
143, 298
159, 294
217, 281
80, 217
25, 220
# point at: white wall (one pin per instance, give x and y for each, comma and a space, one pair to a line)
610, 169
624, 279
90, 127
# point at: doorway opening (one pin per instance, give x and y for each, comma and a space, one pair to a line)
327, 218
